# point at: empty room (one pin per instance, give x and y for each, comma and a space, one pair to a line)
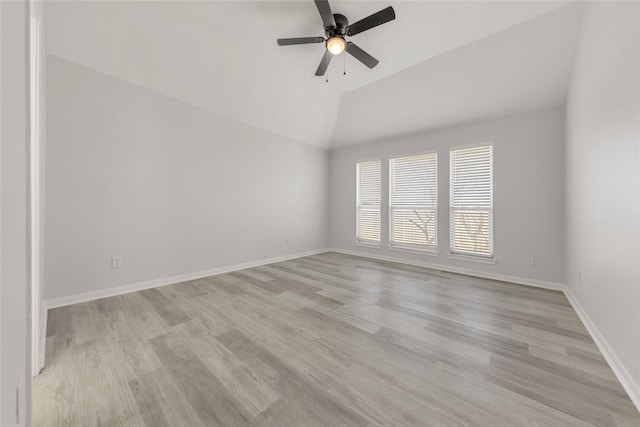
319, 213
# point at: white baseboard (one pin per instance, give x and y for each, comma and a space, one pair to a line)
450, 269
627, 381
134, 287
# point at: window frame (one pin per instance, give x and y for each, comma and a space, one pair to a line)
403, 246
471, 255
360, 241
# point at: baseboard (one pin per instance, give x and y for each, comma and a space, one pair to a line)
134, 287
450, 269
628, 383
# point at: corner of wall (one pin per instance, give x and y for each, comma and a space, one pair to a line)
602, 166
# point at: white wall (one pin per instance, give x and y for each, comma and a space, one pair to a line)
14, 289
172, 188
528, 192
603, 179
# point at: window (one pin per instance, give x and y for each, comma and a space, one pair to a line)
471, 201
368, 201
413, 201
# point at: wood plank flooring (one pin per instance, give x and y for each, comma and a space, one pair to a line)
327, 340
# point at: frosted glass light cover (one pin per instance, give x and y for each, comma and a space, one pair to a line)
336, 45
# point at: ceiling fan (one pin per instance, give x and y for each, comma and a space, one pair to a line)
337, 28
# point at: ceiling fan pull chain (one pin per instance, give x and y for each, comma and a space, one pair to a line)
344, 72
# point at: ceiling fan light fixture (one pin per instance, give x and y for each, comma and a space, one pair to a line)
336, 45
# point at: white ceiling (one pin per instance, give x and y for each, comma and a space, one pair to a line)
440, 62
518, 70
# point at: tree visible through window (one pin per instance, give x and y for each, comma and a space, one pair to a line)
413, 201
471, 201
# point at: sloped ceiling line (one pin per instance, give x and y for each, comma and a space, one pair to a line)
440, 62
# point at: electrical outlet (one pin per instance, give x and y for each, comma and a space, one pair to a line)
116, 261
534, 262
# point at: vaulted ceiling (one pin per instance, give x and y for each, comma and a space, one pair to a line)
441, 63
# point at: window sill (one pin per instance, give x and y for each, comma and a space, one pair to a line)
471, 258
429, 252
368, 245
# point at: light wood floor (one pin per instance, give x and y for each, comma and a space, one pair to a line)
327, 340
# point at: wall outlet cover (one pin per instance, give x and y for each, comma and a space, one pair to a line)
116, 261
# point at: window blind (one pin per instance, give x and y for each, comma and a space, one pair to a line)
368, 201
413, 201
471, 201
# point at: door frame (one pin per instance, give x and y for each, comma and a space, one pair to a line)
36, 185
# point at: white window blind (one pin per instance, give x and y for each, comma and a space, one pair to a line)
413, 201
368, 201
471, 201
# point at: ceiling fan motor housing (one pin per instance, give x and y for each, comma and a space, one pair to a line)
341, 26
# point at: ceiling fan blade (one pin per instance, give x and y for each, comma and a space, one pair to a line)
299, 40
322, 68
361, 55
325, 13
378, 18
